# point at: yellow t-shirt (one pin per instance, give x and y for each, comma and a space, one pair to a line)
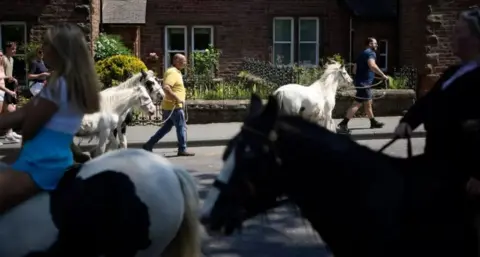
173, 78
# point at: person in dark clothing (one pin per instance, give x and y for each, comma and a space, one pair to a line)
453, 134
364, 70
38, 73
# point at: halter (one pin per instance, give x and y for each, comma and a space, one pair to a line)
269, 146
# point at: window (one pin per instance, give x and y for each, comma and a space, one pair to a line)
202, 37
305, 46
308, 41
382, 57
16, 32
283, 29
175, 42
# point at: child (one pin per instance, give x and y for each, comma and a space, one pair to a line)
51, 119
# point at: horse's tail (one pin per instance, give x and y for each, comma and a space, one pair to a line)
279, 95
187, 241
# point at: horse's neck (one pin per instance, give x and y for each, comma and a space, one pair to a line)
326, 84
325, 176
123, 100
129, 83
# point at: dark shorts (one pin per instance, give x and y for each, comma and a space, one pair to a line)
363, 94
8, 99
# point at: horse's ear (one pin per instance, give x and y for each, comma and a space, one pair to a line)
255, 105
342, 66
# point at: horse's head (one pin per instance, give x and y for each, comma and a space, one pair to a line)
339, 72
145, 101
247, 184
155, 90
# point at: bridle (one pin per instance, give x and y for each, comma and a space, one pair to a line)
269, 146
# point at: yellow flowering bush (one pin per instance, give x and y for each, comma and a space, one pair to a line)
114, 70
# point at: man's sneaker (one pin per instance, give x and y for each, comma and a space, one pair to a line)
343, 129
15, 135
185, 153
376, 124
11, 139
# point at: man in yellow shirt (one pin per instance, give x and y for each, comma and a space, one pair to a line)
172, 106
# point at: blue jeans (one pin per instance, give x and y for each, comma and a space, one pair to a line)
178, 120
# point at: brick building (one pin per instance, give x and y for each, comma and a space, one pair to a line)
22, 21
410, 32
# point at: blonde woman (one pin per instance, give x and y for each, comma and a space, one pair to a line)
51, 119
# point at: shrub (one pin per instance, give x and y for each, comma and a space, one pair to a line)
206, 63
109, 45
30, 50
400, 82
116, 69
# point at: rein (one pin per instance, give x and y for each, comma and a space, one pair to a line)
384, 93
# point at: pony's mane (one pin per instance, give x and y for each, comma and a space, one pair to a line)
134, 80
331, 74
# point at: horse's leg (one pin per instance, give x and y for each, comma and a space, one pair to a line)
102, 142
122, 136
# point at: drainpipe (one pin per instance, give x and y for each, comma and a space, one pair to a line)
101, 16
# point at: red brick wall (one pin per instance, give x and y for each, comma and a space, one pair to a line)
381, 30
243, 28
425, 33
40, 14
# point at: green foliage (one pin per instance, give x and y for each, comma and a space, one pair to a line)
115, 69
338, 58
109, 45
206, 63
229, 90
30, 50
400, 82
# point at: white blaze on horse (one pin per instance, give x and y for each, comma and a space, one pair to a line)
125, 203
317, 101
113, 108
155, 90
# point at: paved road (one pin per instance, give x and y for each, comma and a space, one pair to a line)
285, 235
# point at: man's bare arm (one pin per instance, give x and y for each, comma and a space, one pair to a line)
169, 92
374, 67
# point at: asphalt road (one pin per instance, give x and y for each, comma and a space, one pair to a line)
282, 233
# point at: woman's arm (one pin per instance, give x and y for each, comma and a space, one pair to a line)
39, 111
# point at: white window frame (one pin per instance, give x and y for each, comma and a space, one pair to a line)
24, 24
291, 42
193, 36
316, 42
384, 54
167, 51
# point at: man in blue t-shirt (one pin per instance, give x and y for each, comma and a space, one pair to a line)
364, 70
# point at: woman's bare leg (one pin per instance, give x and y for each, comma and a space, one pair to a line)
15, 187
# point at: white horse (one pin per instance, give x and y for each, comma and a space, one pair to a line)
125, 203
114, 106
317, 101
154, 89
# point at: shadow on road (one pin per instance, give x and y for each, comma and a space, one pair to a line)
280, 233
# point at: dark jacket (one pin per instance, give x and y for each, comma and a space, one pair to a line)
452, 120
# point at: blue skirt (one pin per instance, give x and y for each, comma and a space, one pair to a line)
46, 157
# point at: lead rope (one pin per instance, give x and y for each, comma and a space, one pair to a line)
393, 140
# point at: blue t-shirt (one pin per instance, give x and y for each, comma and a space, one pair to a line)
37, 67
364, 75
68, 118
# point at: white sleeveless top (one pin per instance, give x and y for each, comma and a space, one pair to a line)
67, 119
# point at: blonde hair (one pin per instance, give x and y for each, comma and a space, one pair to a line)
74, 63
